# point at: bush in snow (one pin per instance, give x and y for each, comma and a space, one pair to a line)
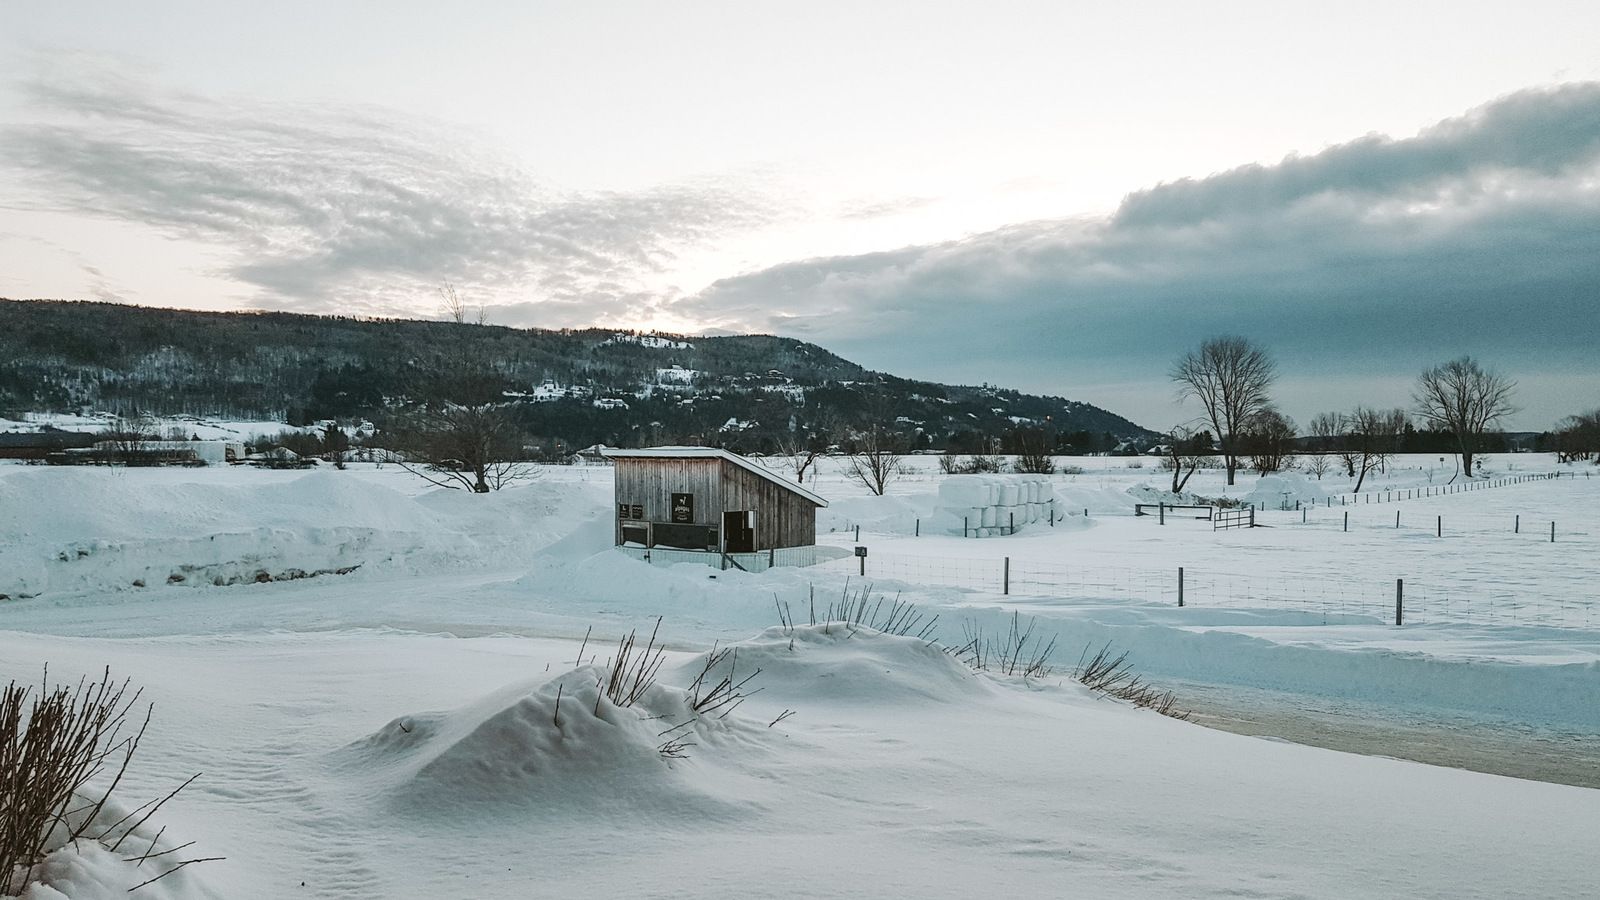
52, 745
1113, 676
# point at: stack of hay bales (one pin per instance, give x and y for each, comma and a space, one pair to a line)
988, 505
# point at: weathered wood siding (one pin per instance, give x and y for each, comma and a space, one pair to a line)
652, 482
783, 518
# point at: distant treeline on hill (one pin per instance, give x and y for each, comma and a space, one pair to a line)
570, 387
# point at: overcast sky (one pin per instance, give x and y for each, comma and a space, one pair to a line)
1051, 196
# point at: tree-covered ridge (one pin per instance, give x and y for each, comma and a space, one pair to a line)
578, 386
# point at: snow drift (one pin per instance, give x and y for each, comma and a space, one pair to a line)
559, 743
98, 529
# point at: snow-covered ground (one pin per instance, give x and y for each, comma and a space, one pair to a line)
206, 429
392, 732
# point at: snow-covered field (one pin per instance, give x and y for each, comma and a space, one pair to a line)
392, 731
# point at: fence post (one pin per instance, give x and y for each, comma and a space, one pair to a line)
1005, 577
1161, 511
1439, 527
1302, 515
1013, 522
917, 529
858, 534
1399, 601
1347, 520
1517, 527
963, 526
1397, 518
1253, 519
772, 556
1180, 585
1552, 532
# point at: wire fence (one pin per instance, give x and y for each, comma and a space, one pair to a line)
1423, 492
1321, 599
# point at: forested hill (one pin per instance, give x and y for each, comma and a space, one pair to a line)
577, 386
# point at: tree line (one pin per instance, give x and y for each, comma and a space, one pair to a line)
1459, 404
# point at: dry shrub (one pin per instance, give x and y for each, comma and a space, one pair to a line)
1111, 674
632, 671
53, 743
1014, 652
859, 608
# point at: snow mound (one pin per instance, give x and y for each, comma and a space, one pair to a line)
87, 869
1096, 494
841, 663
107, 531
886, 514
1272, 489
513, 747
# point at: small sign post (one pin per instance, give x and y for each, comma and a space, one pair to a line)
861, 554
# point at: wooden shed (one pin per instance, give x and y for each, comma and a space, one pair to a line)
703, 498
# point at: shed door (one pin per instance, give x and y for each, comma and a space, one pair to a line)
739, 531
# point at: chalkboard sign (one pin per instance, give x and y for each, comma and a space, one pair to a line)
683, 508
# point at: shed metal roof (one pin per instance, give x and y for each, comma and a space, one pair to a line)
713, 453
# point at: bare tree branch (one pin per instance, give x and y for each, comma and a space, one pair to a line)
1465, 399
1230, 376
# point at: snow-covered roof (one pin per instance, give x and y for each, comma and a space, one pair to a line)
713, 453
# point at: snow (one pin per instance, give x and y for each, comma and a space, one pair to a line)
392, 732
676, 375
207, 429
653, 341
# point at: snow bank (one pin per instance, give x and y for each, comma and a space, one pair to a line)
888, 514
1272, 490
1097, 496
840, 663
991, 505
97, 529
88, 870
548, 744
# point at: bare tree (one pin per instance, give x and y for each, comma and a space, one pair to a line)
463, 446
126, 440
1033, 453
1188, 448
1579, 438
875, 462
1269, 438
1317, 464
1466, 400
801, 454
1371, 437
455, 309
985, 462
1230, 377
1325, 430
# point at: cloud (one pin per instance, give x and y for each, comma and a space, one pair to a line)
881, 208
1549, 132
1480, 234
348, 208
